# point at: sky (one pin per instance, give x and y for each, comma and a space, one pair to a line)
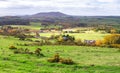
70, 7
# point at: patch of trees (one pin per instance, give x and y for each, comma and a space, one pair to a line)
81, 25
15, 31
71, 22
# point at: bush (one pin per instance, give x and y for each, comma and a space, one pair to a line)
21, 36
78, 42
115, 45
29, 40
112, 39
19, 51
12, 47
66, 61
57, 59
98, 42
38, 52
65, 40
22, 51
37, 40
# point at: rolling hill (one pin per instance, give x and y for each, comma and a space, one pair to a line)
63, 19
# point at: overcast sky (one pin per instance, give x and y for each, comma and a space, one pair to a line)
71, 7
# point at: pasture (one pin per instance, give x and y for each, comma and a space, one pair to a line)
82, 36
33, 26
87, 59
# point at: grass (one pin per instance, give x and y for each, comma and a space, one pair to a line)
82, 36
33, 26
88, 36
88, 59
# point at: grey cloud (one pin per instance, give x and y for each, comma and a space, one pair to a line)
75, 7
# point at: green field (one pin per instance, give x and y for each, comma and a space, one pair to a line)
88, 36
33, 26
87, 59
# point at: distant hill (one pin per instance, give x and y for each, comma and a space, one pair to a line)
58, 18
49, 15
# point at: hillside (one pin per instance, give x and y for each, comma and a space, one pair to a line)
59, 18
49, 14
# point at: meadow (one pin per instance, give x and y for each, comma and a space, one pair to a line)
33, 26
88, 35
82, 36
87, 59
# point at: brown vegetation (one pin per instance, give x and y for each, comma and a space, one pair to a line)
58, 59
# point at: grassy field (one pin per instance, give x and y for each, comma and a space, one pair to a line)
87, 59
88, 36
33, 26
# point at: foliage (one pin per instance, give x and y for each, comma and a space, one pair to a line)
66, 61
113, 31
12, 47
78, 42
66, 40
115, 45
57, 59
13, 20
38, 52
112, 39
21, 36
98, 42
22, 51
